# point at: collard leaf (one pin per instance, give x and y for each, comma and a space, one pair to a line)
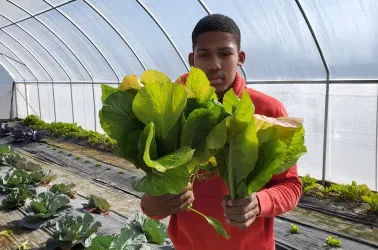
198, 84
153, 76
130, 82
6, 233
155, 231
199, 124
217, 137
241, 116
230, 101
99, 242
107, 91
160, 103
275, 157
217, 226
172, 181
120, 123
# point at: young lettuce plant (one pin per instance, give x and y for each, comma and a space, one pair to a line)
64, 188
17, 197
97, 205
46, 208
14, 178
72, 230
139, 232
42, 177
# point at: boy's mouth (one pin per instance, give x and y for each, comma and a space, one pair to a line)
215, 78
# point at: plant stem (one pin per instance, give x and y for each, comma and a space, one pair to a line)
198, 212
230, 175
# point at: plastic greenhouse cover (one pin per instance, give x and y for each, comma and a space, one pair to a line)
347, 31
10, 69
60, 50
33, 7
101, 33
26, 57
12, 12
275, 37
43, 56
148, 41
90, 57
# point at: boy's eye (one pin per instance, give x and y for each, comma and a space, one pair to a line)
227, 53
202, 55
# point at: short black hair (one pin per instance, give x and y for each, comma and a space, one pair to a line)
216, 22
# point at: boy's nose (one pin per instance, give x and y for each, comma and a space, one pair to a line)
214, 66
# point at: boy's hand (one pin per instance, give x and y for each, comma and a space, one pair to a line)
167, 204
241, 213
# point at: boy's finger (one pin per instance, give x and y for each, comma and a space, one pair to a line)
184, 205
240, 209
241, 201
243, 225
242, 217
178, 200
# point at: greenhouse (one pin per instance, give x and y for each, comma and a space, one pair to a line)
319, 58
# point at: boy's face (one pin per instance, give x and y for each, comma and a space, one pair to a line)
216, 53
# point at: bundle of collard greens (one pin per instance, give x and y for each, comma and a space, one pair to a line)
171, 131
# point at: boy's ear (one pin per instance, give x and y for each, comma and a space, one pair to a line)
241, 58
191, 59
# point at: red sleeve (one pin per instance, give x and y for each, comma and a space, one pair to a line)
284, 190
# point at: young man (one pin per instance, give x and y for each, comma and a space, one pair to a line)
249, 221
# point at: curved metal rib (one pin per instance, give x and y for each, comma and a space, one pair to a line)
8, 59
165, 33
326, 108
204, 6
98, 50
40, 13
87, 37
36, 79
116, 31
56, 60
44, 68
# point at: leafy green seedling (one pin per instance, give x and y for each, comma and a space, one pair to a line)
294, 229
333, 241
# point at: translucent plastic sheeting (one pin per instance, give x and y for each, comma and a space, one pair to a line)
352, 134
347, 31
33, 101
40, 53
275, 37
10, 69
61, 52
21, 100
25, 56
90, 57
33, 7
305, 101
181, 29
63, 103
56, 2
12, 12
84, 105
6, 84
4, 21
143, 34
98, 94
47, 102
18, 64
104, 37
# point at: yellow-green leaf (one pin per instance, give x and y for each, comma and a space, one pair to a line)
198, 85
154, 76
130, 82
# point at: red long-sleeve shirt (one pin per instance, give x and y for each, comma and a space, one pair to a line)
189, 231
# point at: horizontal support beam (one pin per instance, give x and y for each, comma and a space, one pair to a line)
360, 81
